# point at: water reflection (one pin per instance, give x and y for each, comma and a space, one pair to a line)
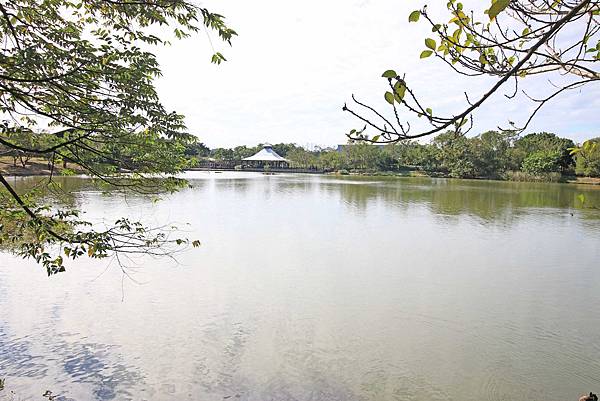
488, 200
68, 361
485, 199
322, 288
16, 353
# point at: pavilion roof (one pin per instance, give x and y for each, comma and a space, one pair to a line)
266, 154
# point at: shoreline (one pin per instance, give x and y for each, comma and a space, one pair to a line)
44, 172
592, 181
35, 168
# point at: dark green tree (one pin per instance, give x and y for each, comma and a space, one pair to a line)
333, 160
362, 156
455, 155
542, 161
195, 148
282, 149
548, 143
492, 152
222, 154
300, 157
83, 71
241, 152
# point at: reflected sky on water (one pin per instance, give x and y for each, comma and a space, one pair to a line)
321, 288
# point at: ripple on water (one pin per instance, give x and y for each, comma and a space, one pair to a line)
348, 289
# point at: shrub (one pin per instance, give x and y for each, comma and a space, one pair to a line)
527, 177
542, 162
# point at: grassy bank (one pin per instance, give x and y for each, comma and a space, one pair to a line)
33, 166
515, 176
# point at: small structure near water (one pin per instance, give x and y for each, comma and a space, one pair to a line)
266, 160
266, 157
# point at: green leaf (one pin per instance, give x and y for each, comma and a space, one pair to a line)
456, 34
399, 91
586, 145
217, 58
389, 74
497, 7
376, 138
589, 146
414, 16
430, 43
429, 111
426, 53
389, 97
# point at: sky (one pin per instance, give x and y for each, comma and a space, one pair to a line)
295, 63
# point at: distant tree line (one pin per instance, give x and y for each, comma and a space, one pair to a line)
492, 154
168, 154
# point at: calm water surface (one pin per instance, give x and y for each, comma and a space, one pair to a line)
321, 288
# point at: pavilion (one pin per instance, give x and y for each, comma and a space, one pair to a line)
266, 157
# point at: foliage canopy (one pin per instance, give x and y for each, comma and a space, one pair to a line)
77, 86
508, 41
491, 154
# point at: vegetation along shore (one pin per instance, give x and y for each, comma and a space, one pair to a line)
493, 155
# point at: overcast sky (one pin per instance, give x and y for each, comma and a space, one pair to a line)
295, 63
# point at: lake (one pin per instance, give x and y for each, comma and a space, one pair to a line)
321, 288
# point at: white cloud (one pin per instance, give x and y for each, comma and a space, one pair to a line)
296, 63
